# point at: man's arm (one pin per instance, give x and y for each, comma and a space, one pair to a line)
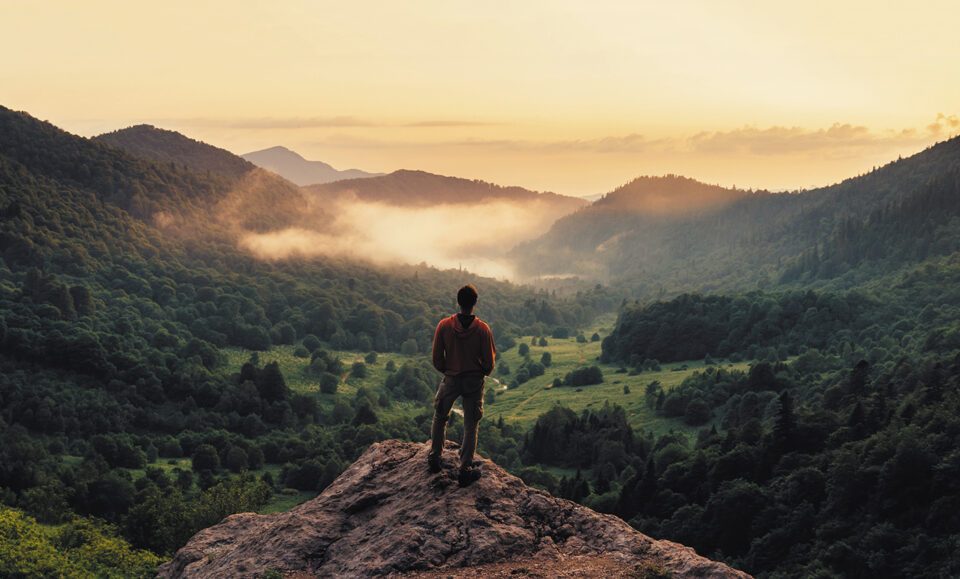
439, 357
488, 353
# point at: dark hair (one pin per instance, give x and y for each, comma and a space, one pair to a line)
467, 296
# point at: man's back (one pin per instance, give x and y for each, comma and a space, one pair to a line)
463, 344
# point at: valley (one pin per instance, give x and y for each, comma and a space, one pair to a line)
757, 375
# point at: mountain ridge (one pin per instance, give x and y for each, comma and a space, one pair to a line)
417, 187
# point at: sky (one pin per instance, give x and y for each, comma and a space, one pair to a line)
571, 97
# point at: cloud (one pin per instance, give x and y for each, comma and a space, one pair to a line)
282, 123
839, 140
449, 123
944, 122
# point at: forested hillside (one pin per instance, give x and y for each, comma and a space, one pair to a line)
728, 241
114, 326
835, 454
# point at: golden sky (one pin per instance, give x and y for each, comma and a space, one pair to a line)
574, 97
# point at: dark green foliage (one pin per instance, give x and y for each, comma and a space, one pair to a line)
271, 384
546, 359
358, 370
523, 349
584, 376
205, 457
413, 381
329, 383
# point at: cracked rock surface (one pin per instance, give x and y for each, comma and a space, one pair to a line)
387, 515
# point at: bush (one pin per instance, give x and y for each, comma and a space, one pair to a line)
543, 342
409, 347
329, 383
358, 370
546, 359
697, 412
236, 459
595, 337
584, 376
310, 342
370, 358
205, 457
523, 349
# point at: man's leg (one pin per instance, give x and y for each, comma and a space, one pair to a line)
442, 403
472, 413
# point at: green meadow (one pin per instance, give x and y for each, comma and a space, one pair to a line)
520, 405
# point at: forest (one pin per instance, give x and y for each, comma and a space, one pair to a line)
140, 400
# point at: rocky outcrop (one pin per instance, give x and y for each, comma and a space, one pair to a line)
387, 515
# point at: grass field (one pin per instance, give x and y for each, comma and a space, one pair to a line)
519, 405
524, 404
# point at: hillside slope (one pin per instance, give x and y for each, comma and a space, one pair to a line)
292, 166
163, 146
387, 514
727, 239
244, 198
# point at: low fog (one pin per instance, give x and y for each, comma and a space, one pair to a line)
474, 237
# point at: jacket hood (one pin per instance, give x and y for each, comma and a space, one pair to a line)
465, 332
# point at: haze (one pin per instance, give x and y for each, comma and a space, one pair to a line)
445, 236
573, 97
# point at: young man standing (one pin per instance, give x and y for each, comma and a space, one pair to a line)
464, 353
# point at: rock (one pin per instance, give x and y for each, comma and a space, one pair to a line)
387, 515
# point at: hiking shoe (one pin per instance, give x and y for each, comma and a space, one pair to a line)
468, 476
433, 462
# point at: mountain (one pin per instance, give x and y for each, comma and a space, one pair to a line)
163, 146
729, 239
419, 188
671, 195
290, 165
386, 514
649, 207
244, 196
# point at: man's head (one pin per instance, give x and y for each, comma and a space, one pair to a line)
467, 298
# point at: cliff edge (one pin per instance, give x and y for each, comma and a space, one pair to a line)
386, 515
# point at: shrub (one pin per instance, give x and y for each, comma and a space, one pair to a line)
584, 376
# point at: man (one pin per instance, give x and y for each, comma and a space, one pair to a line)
464, 353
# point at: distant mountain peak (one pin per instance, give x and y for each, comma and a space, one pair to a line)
294, 167
668, 195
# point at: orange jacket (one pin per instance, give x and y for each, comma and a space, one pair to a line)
458, 349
